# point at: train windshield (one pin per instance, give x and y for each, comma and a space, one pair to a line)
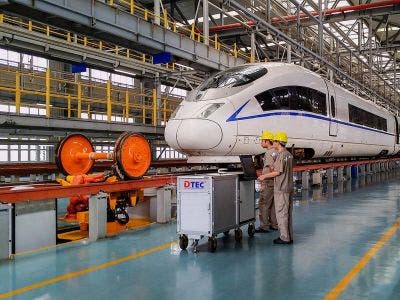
236, 76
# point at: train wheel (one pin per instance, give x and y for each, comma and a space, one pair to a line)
66, 159
132, 155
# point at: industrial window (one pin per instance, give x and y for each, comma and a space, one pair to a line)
234, 77
365, 118
333, 109
293, 98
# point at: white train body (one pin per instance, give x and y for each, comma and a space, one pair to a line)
220, 121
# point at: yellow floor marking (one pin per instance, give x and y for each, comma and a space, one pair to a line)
21, 253
341, 286
85, 271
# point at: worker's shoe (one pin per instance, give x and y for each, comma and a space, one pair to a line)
261, 230
282, 242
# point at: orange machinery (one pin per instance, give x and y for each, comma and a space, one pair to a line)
131, 157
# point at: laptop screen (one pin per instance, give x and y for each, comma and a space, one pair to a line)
249, 169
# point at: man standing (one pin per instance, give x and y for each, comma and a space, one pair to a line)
283, 188
266, 203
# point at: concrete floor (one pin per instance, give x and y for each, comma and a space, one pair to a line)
333, 231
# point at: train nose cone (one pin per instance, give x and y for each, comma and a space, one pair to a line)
170, 133
198, 134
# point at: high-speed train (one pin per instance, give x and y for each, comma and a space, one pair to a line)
224, 117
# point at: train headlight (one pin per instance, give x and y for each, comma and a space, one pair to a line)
210, 109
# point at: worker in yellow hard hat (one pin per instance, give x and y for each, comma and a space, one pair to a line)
283, 188
266, 206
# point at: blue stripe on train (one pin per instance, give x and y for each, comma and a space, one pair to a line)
234, 117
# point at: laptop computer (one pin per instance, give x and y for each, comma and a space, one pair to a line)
249, 169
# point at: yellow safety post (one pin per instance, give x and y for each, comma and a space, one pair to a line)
17, 92
48, 30
127, 53
167, 66
173, 66
48, 93
174, 26
116, 49
108, 101
154, 107
145, 14
126, 106
79, 100
101, 45
30, 25
165, 110
88, 111
69, 106
216, 41
1, 18
68, 36
234, 50
143, 57
165, 18
84, 41
192, 36
111, 2
132, 7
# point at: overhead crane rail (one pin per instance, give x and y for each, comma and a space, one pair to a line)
38, 192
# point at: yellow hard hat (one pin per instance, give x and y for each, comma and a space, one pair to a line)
267, 135
281, 137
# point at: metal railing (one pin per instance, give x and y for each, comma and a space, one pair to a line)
65, 95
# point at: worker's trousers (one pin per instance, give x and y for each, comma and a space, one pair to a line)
266, 206
283, 209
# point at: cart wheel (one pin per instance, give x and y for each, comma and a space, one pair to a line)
251, 230
226, 233
183, 241
238, 235
212, 244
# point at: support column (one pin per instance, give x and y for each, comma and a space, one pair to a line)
253, 47
329, 175
340, 174
362, 169
160, 205
305, 179
354, 171
348, 172
97, 216
289, 53
17, 92
205, 22
48, 93
157, 12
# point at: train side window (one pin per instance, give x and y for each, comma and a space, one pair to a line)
282, 98
333, 108
365, 118
319, 102
265, 99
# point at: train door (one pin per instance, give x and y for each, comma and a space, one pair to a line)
333, 125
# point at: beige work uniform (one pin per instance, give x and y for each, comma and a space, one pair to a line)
266, 206
283, 189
